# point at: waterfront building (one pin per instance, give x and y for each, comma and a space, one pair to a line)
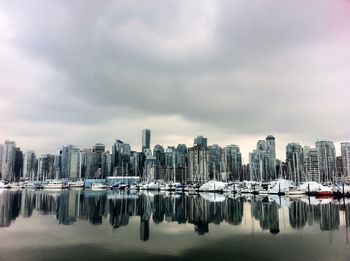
159, 154
66, 168
198, 163
137, 163
8, 160
262, 161
120, 158
311, 164
232, 162
201, 141
18, 164
98, 149
181, 155
327, 160
295, 162
74, 163
106, 164
257, 170
57, 164
146, 139
88, 166
345, 155
339, 166
149, 165
46, 167
215, 154
271, 153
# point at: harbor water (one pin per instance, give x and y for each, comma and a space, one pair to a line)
102, 225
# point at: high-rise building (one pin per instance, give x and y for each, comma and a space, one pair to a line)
327, 160
8, 160
198, 163
232, 162
46, 167
201, 141
98, 149
18, 164
88, 167
66, 161
170, 156
311, 164
106, 165
120, 158
215, 154
295, 162
29, 165
57, 164
345, 155
257, 166
271, 152
339, 165
181, 155
74, 163
159, 154
262, 161
146, 139
70, 161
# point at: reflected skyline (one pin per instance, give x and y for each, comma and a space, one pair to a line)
202, 210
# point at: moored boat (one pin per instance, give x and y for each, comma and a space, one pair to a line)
98, 186
54, 184
213, 186
76, 184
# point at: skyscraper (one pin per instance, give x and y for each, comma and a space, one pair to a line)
29, 165
74, 163
46, 167
18, 164
198, 163
215, 154
232, 162
345, 154
146, 139
311, 164
201, 141
8, 160
70, 161
327, 160
262, 161
198, 160
121, 153
271, 151
98, 149
295, 162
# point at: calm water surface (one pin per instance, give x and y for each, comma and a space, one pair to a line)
89, 225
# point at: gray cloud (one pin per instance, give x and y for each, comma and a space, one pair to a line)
218, 67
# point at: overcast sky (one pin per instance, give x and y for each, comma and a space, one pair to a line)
81, 72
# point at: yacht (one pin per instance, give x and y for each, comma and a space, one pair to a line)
151, 186
54, 184
76, 184
316, 189
98, 186
14, 185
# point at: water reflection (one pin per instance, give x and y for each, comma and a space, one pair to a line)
200, 210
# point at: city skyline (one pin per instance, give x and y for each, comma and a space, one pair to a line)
200, 161
224, 69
